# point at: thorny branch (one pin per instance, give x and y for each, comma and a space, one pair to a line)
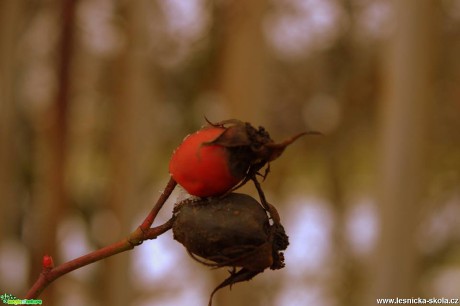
142, 233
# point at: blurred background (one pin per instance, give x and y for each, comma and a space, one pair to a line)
95, 95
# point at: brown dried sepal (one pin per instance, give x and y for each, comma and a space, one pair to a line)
251, 149
232, 231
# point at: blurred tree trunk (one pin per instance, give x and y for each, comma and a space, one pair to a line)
344, 80
51, 197
243, 58
347, 284
10, 21
128, 140
404, 130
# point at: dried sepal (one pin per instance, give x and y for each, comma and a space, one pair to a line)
251, 149
235, 277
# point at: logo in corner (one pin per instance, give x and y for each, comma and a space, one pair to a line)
6, 297
12, 300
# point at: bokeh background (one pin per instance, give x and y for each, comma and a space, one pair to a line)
95, 95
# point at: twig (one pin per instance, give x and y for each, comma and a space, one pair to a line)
267, 206
161, 201
142, 233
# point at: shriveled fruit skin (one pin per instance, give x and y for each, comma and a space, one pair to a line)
233, 231
203, 169
229, 231
222, 230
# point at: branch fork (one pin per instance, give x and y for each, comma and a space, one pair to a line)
143, 232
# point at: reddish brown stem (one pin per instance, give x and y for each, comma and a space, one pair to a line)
142, 233
161, 201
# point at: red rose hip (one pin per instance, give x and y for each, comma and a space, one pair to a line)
203, 169
215, 159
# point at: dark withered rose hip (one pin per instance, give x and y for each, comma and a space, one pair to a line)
235, 231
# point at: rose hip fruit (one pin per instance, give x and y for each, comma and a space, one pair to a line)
213, 160
203, 170
233, 231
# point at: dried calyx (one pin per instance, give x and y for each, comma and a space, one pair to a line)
251, 149
232, 231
